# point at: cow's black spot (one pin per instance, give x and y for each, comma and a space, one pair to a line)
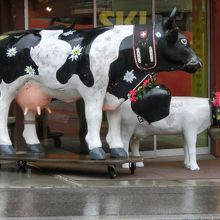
117, 85
13, 67
81, 66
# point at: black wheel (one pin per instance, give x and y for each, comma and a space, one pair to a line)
132, 167
112, 171
22, 165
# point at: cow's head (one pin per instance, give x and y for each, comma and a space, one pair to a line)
173, 48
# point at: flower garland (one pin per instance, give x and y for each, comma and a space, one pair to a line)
215, 107
136, 94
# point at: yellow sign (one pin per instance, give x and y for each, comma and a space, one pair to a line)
122, 17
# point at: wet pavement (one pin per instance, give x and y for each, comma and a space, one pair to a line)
46, 194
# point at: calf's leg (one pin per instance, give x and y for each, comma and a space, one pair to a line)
135, 149
190, 138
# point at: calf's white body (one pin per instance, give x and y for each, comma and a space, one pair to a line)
188, 116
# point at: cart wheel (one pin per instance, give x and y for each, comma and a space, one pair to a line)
22, 165
132, 167
112, 171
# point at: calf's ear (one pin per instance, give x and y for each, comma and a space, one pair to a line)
172, 35
168, 23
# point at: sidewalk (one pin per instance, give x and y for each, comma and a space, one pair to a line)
163, 189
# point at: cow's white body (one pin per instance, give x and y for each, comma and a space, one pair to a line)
188, 116
49, 55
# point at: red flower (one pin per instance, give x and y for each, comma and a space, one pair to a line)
216, 99
133, 99
133, 92
216, 102
145, 82
217, 95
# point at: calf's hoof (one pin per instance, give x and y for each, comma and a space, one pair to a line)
7, 150
118, 153
97, 153
35, 149
138, 164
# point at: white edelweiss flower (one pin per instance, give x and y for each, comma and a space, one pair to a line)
75, 52
11, 52
129, 76
158, 34
30, 70
68, 33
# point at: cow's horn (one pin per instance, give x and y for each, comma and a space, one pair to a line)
169, 21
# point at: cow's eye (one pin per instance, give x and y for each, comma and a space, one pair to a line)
184, 41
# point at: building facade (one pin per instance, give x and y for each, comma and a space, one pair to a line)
198, 19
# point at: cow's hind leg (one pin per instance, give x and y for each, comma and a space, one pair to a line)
33, 144
6, 98
114, 134
190, 138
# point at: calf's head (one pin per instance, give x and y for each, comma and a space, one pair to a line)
173, 48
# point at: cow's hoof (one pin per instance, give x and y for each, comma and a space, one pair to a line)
35, 149
97, 154
194, 167
7, 150
118, 153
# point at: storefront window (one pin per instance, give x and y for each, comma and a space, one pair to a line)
45, 13
63, 123
191, 18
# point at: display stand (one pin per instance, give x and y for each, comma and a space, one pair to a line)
73, 158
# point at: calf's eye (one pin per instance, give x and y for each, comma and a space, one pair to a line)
184, 41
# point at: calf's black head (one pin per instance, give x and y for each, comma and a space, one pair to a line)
173, 49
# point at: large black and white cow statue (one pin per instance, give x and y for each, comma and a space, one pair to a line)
96, 65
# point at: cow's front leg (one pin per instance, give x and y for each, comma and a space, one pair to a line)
6, 147
135, 149
93, 112
114, 134
33, 144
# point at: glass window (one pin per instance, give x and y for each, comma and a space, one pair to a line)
192, 20
45, 13
63, 124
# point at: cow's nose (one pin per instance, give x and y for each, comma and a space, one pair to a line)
195, 62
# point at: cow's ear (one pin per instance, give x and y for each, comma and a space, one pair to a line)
168, 23
172, 35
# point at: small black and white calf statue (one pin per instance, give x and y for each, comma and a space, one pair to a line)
188, 116
100, 65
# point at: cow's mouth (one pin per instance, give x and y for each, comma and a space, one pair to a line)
192, 66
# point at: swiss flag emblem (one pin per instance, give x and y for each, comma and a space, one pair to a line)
143, 34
